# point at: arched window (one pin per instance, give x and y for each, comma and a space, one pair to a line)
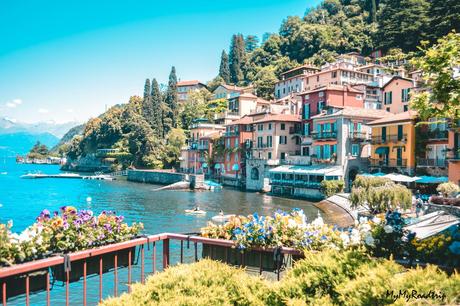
254, 174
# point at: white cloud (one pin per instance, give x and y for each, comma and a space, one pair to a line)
43, 111
13, 103
69, 110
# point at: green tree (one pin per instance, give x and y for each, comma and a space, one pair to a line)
156, 98
237, 59
251, 43
402, 24
171, 101
194, 107
175, 140
147, 106
38, 151
224, 70
214, 83
264, 82
440, 72
444, 17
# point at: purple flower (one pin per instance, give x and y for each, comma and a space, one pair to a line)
108, 227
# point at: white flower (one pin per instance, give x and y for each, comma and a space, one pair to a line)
365, 227
355, 237
292, 223
318, 222
10, 223
369, 240
376, 220
388, 229
363, 220
345, 239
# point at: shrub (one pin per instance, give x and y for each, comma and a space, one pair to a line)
380, 194
331, 187
448, 189
204, 283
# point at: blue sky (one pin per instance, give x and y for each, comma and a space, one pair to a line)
68, 60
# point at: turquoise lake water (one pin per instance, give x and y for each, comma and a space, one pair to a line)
22, 200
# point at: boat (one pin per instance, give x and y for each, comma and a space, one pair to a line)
195, 212
222, 218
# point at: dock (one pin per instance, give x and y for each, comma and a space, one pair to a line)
68, 176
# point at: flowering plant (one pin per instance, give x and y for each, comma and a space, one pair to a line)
66, 231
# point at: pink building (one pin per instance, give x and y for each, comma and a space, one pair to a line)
396, 94
185, 87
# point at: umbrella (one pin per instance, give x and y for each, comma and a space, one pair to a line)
379, 174
401, 178
426, 179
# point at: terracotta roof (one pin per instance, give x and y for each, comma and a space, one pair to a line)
243, 120
189, 83
212, 135
232, 87
332, 87
393, 118
397, 77
350, 111
280, 117
307, 66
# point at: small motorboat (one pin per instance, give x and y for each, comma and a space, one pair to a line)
195, 212
222, 218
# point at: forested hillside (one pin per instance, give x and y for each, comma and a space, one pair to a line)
336, 27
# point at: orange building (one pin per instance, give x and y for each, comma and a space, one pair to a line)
396, 93
454, 155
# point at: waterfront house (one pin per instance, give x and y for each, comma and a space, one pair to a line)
185, 87
341, 136
396, 94
225, 91
453, 155
393, 143
317, 100
432, 146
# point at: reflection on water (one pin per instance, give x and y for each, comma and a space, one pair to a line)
160, 211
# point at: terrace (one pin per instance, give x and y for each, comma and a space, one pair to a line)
388, 138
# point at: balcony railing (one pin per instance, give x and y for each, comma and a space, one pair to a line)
296, 183
437, 135
143, 259
388, 163
324, 135
294, 130
231, 133
431, 162
388, 138
358, 136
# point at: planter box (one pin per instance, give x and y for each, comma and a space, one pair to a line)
16, 285
251, 258
92, 265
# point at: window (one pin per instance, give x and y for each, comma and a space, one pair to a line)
283, 139
228, 157
307, 96
388, 109
278, 94
388, 97
269, 126
306, 111
320, 106
318, 151
406, 108
283, 155
400, 132
269, 141
321, 94
317, 78
236, 143
297, 140
228, 143
327, 151
254, 174
283, 126
306, 151
306, 129
334, 74
269, 155
259, 142
354, 149
405, 94
260, 127
236, 157
359, 97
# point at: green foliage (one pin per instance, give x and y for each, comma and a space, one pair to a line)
237, 59
448, 189
435, 249
175, 140
38, 151
157, 116
439, 65
322, 278
379, 194
224, 70
444, 17
264, 80
251, 42
170, 116
203, 283
331, 187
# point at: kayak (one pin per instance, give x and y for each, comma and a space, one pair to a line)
223, 218
195, 212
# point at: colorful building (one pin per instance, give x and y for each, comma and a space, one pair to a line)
293, 81
396, 94
453, 155
393, 143
225, 91
185, 87
242, 105
433, 139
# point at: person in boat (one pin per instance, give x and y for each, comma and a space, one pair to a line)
221, 213
197, 208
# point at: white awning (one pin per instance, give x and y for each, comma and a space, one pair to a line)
320, 170
401, 178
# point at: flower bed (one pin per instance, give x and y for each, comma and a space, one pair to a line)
64, 232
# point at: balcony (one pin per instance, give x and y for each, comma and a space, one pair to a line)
324, 135
453, 155
296, 160
389, 138
389, 163
262, 146
358, 136
431, 162
296, 183
231, 134
295, 131
437, 135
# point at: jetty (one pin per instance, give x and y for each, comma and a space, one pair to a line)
68, 176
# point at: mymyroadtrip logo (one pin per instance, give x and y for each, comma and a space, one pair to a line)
409, 295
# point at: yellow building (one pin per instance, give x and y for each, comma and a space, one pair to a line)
393, 143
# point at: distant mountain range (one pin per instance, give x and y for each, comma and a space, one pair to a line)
19, 137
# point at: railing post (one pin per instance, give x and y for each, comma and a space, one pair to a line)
165, 253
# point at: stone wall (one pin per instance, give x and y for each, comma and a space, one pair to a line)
156, 177
261, 181
453, 210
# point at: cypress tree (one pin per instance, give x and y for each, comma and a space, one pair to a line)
224, 70
147, 107
237, 59
155, 96
171, 101
251, 42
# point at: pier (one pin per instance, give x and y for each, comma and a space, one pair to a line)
68, 176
